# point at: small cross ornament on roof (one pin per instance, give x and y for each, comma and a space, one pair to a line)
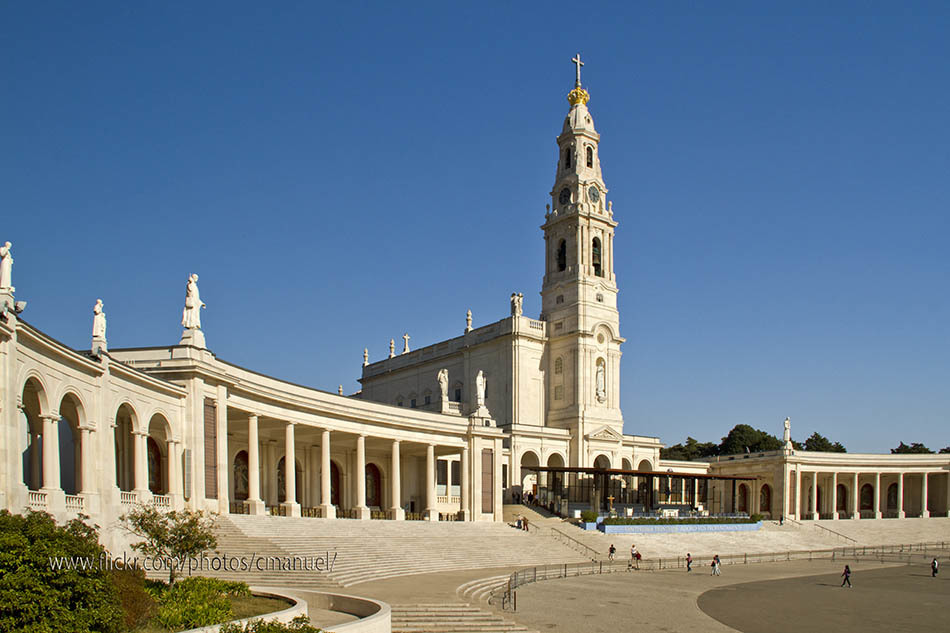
578, 63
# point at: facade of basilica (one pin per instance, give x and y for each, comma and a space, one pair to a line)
449, 431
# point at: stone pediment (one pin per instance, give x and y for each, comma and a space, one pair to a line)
605, 434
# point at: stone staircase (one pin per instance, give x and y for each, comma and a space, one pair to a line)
449, 618
363, 551
480, 590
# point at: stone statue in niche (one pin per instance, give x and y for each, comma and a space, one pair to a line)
6, 267
480, 389
601, 381
98, 321
191, 315
444, 384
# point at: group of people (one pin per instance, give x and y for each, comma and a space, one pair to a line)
522, 523
634, 556
716, 564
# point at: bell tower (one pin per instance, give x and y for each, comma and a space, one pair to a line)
579, 291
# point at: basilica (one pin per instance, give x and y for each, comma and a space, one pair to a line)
451, 431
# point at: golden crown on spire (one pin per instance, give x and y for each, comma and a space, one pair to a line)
578, 95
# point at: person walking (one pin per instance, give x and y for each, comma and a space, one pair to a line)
847, 576
634, 557
716, 564
611, 552
934, 568
689, 563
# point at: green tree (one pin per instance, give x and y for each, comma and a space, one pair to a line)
51, 577
690, 450
171, 536
743, 436
820, 443
945, 449
916, 447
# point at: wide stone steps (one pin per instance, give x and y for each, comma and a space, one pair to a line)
480, 590
375, 550
449, 618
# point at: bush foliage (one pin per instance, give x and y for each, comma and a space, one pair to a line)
36, 598
195, 602
696, 521
300, 624
589, 516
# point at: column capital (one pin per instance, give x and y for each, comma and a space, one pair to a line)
53, 416
397, 441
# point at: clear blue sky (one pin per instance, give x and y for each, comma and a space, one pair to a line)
338, 175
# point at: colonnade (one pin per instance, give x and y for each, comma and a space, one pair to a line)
808, 507
254, 504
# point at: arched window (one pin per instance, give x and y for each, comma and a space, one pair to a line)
567, 158
595, 255
743, 505
562, 256
842, 501
590, 156
559, 365
154, 459
374, 497
892, 497
867, 497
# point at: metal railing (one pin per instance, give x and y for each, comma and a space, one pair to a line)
506, 597
822, 527
570, 541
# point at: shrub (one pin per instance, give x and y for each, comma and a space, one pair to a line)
589, 516
171, 536
197, 601
300, 624
658, 521
138, 604
35, 597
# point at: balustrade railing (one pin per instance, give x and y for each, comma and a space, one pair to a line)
37, 499
311, 513
128, 498
162, 501
75, 503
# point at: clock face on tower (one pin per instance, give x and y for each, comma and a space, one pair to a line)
565, 196
593, 194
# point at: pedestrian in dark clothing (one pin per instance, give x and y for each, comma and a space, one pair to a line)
847, 576
933, 568
689, 562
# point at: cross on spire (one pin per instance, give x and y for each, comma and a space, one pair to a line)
577, 62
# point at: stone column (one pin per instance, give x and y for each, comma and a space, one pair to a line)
900, 496
176, 492
466, 486
87, 459
855, 498
140, 463
55, 497
834, 495
221, 425
362, 512
291, 507
814, 495
431, 512
948, 496
924, 512
327, 510
396, 511
877, 495
254, 503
